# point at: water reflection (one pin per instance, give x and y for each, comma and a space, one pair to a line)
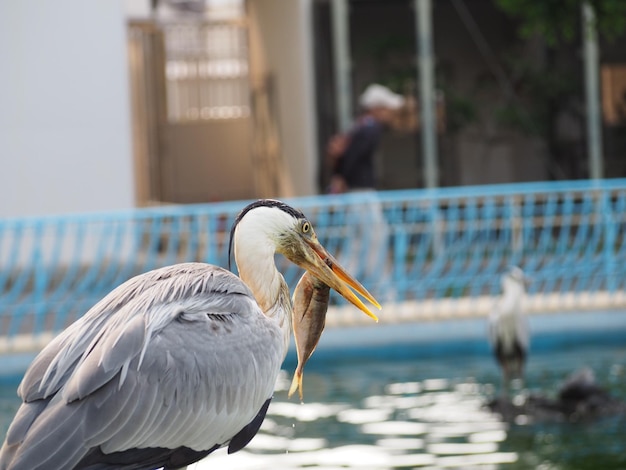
408, 412
433, 423
365, 416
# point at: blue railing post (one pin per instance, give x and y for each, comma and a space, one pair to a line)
517, 229
400, 242
610, 229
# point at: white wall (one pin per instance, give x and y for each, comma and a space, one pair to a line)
65, 142
281, 45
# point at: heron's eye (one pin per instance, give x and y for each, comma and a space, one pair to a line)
306, 226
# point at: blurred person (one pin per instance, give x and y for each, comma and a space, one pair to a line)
353, 159
353, 154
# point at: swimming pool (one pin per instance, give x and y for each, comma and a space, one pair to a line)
417, 405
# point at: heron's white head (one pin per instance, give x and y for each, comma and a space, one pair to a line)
267, 226
514, 280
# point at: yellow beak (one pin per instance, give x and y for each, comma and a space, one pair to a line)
328, 270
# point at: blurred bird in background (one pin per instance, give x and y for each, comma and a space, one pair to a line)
508, 328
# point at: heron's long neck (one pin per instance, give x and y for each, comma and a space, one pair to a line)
513, 296
258, 271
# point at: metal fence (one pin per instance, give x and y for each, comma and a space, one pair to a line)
420, 252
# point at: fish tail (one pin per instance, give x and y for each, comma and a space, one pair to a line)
296, 383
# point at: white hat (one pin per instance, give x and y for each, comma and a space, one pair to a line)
378, 96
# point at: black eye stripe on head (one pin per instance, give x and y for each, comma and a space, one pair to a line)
261, 203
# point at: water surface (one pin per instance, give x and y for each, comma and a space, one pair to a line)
402, 411
397, 409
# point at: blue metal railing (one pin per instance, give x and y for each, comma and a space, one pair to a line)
403, 245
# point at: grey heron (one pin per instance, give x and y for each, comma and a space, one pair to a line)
508, 327
174, 363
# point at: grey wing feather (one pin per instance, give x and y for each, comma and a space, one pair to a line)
167, 285
180, 345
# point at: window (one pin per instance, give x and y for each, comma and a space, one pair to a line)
207, 65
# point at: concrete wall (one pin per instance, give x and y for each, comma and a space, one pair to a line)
64, 108
281, 46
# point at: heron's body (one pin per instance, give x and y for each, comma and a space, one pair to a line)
508, 329
124, 383
169, 366
509, 349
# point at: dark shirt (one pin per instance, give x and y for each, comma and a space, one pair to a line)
356, 164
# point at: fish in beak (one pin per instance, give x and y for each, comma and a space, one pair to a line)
311, 298
310, 303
